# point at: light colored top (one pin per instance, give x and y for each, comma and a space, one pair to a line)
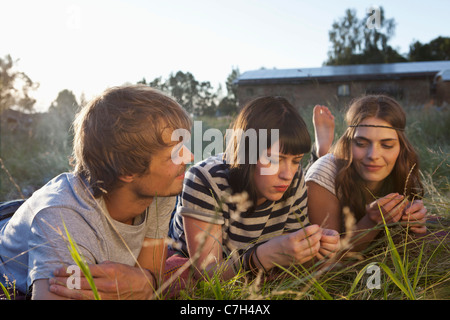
33, 242
323, 172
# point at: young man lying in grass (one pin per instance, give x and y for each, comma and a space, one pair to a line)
116, 204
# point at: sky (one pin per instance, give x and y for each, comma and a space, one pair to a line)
88, 46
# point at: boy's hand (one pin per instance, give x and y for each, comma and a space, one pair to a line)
113, 281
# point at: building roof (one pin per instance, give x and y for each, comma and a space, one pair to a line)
443, 75
345, 73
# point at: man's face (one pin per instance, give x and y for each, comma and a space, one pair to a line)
164, 177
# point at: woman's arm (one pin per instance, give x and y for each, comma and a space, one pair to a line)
324, 209
204, 243
153, 257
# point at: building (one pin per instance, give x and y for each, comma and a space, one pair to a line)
442, 83
14, 120
413, 83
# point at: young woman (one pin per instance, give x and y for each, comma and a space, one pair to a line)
254, 212
372, 167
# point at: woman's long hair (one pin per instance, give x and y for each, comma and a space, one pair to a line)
267, 113
404, 177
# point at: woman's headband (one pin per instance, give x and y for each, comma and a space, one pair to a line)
376, 126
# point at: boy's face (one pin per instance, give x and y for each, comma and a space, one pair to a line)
164, 177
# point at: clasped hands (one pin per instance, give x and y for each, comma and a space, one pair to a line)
300, 246
394, 208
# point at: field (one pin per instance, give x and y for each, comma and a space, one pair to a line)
410, 268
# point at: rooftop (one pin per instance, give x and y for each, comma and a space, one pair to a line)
348, 72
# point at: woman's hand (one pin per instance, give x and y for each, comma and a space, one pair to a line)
297, 247
329, 244
390, 207
415, 216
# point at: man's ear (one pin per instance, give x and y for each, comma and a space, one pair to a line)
127, 178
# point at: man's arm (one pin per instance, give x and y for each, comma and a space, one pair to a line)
114, 281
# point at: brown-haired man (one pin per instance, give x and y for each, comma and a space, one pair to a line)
115, 205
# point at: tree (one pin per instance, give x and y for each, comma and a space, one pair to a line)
64, 108
229, 104
55, 127
436, 49
183, 87
196, 97
15, 87
205, 101
355, 41
65, 104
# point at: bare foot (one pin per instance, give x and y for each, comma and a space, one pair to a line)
323, 122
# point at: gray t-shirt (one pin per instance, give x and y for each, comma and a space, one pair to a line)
33, 243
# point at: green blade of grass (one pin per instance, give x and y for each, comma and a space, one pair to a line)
416, 273
356, 281
5, 291
312, 280
80, 262
398, 263
394, 279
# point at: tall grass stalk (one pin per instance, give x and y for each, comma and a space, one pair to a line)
5, 292
81, 262
399, 264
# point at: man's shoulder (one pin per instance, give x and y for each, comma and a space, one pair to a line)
166, 204
66, 190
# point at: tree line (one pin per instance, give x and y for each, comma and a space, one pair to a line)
199, 98
351, 42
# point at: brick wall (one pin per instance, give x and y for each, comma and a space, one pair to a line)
408, 91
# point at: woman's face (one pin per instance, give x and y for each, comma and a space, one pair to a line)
274, 174
375, 151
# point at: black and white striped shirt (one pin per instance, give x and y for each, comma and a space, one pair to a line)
206, 197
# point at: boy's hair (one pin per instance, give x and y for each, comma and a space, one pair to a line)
117, 133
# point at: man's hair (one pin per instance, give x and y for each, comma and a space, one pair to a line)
119, 131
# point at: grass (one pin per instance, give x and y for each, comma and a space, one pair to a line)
410, 268
80, 261
418, 273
